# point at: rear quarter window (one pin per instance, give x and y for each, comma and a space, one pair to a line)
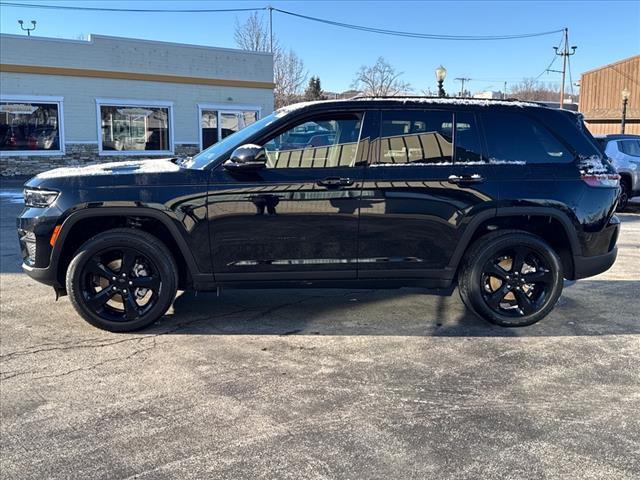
515, 137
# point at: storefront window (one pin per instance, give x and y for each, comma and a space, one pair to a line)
218, 124
134, 128
28, 126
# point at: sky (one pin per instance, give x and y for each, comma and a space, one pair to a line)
603, 31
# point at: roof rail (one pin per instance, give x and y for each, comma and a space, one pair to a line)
434, 97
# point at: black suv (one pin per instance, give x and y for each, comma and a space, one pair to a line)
502, 198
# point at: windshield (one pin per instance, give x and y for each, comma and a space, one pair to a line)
212, 153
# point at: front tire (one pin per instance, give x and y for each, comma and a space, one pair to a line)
511, 278
122, 280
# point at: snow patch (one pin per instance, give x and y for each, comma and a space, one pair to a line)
434, 101
492, 161
162, 165
592, 165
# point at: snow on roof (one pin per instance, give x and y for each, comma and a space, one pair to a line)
426, 100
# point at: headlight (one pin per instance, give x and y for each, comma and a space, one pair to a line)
39, 198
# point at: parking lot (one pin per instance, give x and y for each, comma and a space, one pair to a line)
322, 384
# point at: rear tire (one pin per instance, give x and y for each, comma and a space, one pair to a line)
510, 278
625, 192
122, 280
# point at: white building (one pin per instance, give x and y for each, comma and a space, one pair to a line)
69, 102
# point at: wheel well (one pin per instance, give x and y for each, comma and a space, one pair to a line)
87, 228
548, 228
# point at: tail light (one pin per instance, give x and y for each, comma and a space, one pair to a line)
607, 180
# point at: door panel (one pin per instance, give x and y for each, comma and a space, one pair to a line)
416, 201
297, 218
281, 221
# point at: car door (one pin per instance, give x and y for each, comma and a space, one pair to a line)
298, 217
420, 192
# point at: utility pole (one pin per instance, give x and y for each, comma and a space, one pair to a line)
565, 55
270, 27
504, 92
462, 80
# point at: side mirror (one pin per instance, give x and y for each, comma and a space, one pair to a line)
247, 157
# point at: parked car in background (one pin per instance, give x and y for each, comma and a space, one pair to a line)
624, 152
503, 199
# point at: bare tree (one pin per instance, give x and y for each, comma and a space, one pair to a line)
531, 89
380, 79
252, 35
289, 74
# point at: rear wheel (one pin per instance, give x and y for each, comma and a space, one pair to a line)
511, 278
122, 280
623, 200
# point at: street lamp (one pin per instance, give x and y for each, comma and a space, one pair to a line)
441, 73
625, 99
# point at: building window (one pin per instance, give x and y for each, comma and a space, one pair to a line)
134, 128
217, 123
31, 126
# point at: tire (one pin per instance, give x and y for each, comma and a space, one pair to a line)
493, 286
109, 274
625, 192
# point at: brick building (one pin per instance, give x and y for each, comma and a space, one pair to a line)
71, 102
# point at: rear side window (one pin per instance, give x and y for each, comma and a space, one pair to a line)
416, 136
630, 147
467, 138
513, 137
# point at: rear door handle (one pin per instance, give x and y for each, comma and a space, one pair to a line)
335, 182
465, 179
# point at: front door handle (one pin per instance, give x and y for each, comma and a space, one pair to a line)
335, 182
465, 179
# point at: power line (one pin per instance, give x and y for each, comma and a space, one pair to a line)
429, 36
555, 57
131, 10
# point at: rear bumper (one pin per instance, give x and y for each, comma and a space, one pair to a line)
590, 266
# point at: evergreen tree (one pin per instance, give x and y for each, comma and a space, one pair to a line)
314, 90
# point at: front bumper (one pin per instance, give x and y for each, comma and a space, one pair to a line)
46, 275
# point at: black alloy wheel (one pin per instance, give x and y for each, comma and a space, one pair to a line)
516, 282
511, 278
623, 199
122, 280
120, 284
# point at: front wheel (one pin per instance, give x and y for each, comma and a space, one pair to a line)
511, 278
122, 280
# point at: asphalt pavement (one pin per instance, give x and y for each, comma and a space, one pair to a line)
322, 384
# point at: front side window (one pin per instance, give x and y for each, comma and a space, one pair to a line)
30, 126
513, 137
324, 142
134, 128
416, 137
216, 124
630, 147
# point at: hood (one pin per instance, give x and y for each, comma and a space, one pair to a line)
134, 167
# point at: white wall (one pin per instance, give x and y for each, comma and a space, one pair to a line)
140, 56
80, 93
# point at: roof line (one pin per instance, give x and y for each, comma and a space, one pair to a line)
610, 64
